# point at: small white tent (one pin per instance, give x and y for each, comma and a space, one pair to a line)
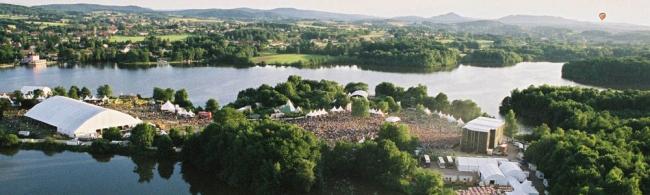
168, 107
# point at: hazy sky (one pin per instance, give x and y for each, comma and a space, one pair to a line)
628, 11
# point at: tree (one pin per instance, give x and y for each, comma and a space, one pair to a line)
104, 91
164, 145
288, 155
465, 109
512, 128
178, 136
163, 95
360, 107
142, 136
182, 98
4, 105
352, 87
427, 182
9, 140
388, 89
112, 134
212, 105
73, 92
399, 134
85, 92
60, 91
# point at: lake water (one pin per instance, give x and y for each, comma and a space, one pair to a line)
485, 86
37, 172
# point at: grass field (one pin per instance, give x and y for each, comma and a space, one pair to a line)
46, 24
13, 17
198, 20
287, 58
120, 38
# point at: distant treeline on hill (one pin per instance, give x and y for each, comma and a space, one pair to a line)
633, 71
492, 58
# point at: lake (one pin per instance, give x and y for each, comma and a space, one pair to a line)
486, 86
37, 172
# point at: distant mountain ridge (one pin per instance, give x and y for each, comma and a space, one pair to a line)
447, 18
526, 21
84, 7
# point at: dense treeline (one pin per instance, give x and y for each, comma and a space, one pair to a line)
324, 94
272, 157
393, 52
609, 71
493, 58
598, 142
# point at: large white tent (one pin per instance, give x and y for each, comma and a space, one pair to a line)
512, 169
490, 174
78, 119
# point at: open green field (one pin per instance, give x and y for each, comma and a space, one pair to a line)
47, 24
198, 20
287, 58
121, 38
13, 17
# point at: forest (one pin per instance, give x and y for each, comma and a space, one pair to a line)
589, 141
628, 71
287, 159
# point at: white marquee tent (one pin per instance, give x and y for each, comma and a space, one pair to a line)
512, 169
78, 119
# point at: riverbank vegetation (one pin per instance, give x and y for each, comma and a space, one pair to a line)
313, 95
601, 137
492, 58
622, 72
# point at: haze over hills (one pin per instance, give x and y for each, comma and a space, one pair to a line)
83, 7
526, 21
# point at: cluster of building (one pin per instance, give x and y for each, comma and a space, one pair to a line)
489, 172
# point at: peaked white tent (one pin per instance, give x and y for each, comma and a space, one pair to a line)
168, 107
78, 119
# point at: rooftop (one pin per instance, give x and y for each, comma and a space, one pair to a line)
483, 124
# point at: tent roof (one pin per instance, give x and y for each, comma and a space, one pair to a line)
490, 171
361, 93
74, 118
483, 124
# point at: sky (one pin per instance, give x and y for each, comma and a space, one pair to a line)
624, 11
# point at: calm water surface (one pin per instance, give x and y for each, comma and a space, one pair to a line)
37, 172
486, 86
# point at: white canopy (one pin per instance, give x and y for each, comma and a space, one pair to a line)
360, 93
491, 172
512, 169
483, 124
76, 118
168, 106
393, 119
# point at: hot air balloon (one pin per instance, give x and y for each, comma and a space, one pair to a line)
602, 16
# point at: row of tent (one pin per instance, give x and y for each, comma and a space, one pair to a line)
316, 113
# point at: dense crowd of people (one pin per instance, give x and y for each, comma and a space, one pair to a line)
433, 133
341, 126
152, 113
